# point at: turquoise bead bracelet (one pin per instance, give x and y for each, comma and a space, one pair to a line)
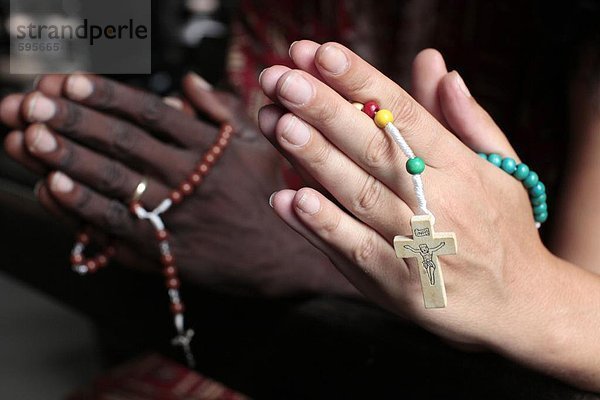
531, 181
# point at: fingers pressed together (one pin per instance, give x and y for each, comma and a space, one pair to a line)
315, 125
94, 139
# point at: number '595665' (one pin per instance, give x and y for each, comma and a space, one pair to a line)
39, 47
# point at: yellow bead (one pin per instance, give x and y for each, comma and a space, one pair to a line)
382, 117
359, 106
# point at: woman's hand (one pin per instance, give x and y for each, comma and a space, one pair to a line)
94, 140
501, 285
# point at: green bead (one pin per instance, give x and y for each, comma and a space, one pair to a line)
415, 165
531, 180
509, 165
521, 172
540, 209
482, 155
541, 217
495, 159
538, 189
536, 201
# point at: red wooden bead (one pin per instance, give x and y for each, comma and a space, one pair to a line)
370, 108
196, 179
167, 259
76, 259
203, 168
226, 135
176, 196
216, 150
173, 283
170, 271
186, 188
91, 265
210, 159
177, 308
102, 260
161, 235
223, 142
83, 238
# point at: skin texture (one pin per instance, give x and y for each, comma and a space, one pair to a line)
497, 310
506, 291
166, 149
104, 143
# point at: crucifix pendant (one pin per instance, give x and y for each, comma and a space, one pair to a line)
425, 245
183, 340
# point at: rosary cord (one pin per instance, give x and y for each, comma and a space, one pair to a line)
184, 336
391, 130
84, 265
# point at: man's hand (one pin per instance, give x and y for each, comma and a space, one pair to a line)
94, 140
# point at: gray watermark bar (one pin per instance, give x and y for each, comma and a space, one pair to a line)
105, 37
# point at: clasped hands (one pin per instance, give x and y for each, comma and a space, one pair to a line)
95, 139
92, 140
505, 289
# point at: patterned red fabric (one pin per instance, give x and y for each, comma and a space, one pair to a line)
154, 377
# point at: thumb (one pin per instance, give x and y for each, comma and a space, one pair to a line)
202, 97
469, 121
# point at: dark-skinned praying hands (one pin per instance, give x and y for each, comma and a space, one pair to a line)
92, 140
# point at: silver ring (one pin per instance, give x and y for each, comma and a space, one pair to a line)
139, 190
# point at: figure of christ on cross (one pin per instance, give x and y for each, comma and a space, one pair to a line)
427, 245
427, 254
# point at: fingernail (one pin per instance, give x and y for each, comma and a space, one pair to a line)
309, 203
79, 87
290, 49
462, 86
271, 199
334, 60
260, 75
296, 89
43, 141
296, 132
173, 102
61, 183
36, 82
41, 108
200, 82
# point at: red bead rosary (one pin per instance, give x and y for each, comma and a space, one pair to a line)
83, 265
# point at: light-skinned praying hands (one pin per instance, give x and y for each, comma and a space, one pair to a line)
506, 291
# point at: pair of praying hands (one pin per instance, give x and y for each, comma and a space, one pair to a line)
506, 291
93, 140
504, 287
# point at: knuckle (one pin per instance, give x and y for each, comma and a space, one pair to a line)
104, 93
328, 114
115, 217
320, 156
68, 157
357, 85
366, 249
111, 179
331, 225
71, 116
405, 112
380, 152
368, 196
151, 110
84, 199
123, 141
